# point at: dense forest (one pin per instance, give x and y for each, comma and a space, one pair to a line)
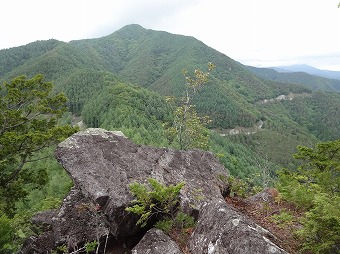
123, 82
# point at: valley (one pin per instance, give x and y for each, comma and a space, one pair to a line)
119, 81
132, 81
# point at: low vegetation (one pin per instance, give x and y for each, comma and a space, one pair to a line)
314, 189
158, 204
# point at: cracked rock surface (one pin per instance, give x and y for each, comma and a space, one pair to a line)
103, 163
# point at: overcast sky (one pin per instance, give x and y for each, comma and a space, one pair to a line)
253, 32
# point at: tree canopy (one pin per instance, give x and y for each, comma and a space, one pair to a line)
29, 114
314, 188
188, 129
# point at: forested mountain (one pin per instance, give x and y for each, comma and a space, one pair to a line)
132, 80
15, 57
119, 82
308, 69
311, 81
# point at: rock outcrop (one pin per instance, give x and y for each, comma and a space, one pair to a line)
102, 164
156, 242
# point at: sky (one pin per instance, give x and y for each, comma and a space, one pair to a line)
260, 33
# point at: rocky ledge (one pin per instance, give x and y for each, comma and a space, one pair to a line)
102, 164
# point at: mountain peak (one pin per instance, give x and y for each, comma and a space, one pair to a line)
131, 30
132, 27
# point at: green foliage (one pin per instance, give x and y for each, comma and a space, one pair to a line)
137, 112
51, 194
165, 225
13, 231
291, 188
62, 248
38, 198
188, 129
279, 130
321, 225
320, 113
283, 219
84, 84
28, 121
184, 221
314, 187
154, 59
6, 234
236, 186
162, 203
91, 246
14, 57
319, 174
141, 116
225, 107
181, 222
158, 200
88, 247
239, 187
88, 70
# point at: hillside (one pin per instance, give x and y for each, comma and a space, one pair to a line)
126, 75
313, 82
154, 60
308, 69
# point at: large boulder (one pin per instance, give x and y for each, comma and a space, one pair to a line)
102, 164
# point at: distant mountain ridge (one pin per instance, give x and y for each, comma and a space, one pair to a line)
308, 69
314, 82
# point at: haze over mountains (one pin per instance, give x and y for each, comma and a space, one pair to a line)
119, 82
301, 74
308, 69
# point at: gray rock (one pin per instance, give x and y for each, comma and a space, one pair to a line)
221, 229
156, 242
76, 222
102, 164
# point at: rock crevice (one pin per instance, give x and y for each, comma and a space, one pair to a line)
102, 164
